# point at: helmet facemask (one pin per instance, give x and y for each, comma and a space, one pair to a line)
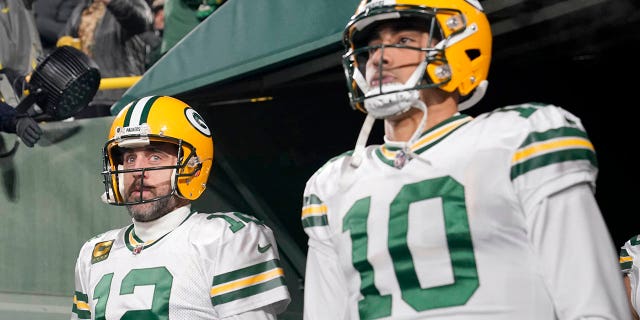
388, 99
187, 165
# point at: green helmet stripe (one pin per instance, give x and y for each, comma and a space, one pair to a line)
127, 117
139, 111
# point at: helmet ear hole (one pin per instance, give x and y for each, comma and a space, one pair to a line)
472, 53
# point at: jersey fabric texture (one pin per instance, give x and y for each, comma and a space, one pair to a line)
210, 267
630, 264
449, 228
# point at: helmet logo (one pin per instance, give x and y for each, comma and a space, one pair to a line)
197, 121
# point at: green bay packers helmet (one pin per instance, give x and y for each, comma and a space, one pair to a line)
156, 119
458, 62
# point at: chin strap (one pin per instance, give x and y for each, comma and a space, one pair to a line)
361, 143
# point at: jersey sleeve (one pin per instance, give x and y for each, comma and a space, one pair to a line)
81, 308
94, 250
584, 283
243, 264
628, 253
554, 153
324, 285
326, 181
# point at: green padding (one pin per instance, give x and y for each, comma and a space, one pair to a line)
50, 204
240, 37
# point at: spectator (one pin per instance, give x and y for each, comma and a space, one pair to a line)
23, 126
109, 32
20, 46
51, 17
153, 38
20, 49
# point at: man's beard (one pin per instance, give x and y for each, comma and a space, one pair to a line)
150, 211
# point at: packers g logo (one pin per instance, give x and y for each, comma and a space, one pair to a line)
197, 121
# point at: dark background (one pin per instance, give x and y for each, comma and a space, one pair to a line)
578, 54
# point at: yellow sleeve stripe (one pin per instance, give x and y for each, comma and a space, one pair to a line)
246, 282
314, 209
81, 305
551, 146
625, 259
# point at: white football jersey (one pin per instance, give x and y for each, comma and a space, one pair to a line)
210, 267
441, 231
630, 264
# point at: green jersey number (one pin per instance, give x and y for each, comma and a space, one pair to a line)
238, 223
456, 224
159, 277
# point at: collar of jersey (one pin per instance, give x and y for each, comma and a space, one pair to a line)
132, 240
389, 151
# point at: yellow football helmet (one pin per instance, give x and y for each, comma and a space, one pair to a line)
159, 119
458, 62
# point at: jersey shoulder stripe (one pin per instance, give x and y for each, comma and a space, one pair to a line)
246, 282
626, 261
552, 146
314, 212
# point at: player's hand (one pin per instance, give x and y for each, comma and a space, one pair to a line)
28, 130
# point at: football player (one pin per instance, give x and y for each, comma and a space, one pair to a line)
629, 261
173, 262
453, 217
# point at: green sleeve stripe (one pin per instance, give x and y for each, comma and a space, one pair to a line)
315, 221
246, 272
623, 253
563, 132
81, 296
553, 158
311, 199
626, 265
248, 291
82, 314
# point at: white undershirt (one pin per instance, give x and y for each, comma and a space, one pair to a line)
152, 230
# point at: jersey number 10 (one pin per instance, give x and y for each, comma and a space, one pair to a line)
374, 305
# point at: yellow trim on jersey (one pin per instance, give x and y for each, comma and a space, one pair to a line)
428, 138
81, 305
314, 209
247, 282
134, 242
437, 134
545, 147
626, 259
